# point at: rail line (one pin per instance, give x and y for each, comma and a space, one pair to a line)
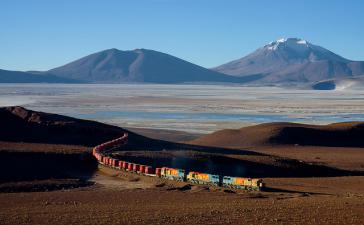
102, 154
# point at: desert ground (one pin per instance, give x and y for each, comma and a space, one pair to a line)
123, 198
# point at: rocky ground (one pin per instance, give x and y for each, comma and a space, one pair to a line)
123, 198
133, 200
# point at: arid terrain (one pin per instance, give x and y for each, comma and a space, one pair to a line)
56, 181
134, 201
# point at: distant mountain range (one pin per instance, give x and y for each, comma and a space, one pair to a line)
140, 65
292, 60
284, 61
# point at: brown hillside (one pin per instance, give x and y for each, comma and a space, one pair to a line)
22, 125
347, 134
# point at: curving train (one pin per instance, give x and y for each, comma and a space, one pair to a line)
101, 153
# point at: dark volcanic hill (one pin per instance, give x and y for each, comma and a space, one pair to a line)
140, 65
7, 76
292, 60
348, 134
23, 125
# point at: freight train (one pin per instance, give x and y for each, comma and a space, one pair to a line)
102, 154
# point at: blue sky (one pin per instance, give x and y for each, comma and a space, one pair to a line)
42, 34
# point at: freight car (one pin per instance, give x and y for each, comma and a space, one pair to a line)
149, 171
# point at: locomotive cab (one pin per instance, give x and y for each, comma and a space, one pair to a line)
258, 183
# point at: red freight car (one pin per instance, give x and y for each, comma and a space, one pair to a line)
142, 168
115, 163
136, 167
130, 166
158, 172
149, 170
125, 165
120, 165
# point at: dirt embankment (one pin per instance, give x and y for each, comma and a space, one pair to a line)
347, 134
23, 125
43, 167
26, 166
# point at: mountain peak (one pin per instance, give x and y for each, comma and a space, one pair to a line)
292, 40
287, 42
292, 60
115, 50
111, 50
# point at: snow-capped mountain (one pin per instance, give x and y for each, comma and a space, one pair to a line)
292, 60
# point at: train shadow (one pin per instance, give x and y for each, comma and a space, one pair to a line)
231, 166
303, 193
169, 146
32, 171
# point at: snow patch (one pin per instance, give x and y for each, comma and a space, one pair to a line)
294, 43
302, 42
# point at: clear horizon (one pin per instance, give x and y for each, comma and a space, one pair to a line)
40, 35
